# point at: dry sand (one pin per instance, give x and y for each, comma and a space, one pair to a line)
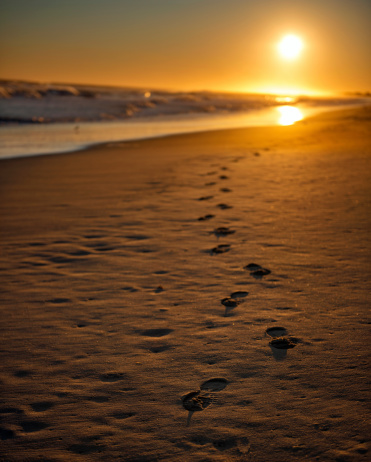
111, 297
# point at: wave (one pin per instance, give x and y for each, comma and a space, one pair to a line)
39, 103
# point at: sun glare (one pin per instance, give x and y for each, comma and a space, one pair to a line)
289, 115
290, 46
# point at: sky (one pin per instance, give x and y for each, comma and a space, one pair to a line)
228, 45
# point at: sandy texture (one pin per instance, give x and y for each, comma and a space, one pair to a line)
119, 303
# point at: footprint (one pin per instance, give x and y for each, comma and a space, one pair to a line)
78, 253
105, 248
132, 289
160, 348
206, 217
61, 259
22, 373
123, 415
156, 332
42, 406
211, 183
224, 206
205, 198
283, 343
6, 434
137, 237
280, 342
239, 294
196, 401
221, 248
223, 231
225, 443
31, 426
225, 190
112, 376
59, 300
98, 399
216, 384
276, 331
102, 246
229, 304
257, 271
223, 177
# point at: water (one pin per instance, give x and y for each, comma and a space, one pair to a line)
149, 118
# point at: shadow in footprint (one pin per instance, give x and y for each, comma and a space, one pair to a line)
61, 259
112, 376
223, 231
6, 434
235, 299
42, 406
137, 237
156, 332
59, 300
30, 426
225, 443
22, 373
123, 415
205, 198
78, 253
280, 342
196, 401
206, 217
239, 294
222, 248
160, 348
216, 384
257, 271
229, 304
224, 206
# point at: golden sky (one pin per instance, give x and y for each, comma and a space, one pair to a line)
188, 44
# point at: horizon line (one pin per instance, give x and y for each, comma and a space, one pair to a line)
267, 92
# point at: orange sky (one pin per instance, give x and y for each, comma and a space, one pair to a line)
188, 44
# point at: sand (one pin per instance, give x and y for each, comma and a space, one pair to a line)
122, 335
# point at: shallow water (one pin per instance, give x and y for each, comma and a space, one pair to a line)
39, 139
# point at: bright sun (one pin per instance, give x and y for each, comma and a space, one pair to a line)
290, 46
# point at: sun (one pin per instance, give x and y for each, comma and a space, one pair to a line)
290, 46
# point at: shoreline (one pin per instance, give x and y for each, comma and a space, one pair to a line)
74, 134
117, 262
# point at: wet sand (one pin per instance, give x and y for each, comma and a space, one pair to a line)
193, 298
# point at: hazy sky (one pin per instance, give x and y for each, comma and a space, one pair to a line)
188, 44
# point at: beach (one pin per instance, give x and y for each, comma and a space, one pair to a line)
199, 297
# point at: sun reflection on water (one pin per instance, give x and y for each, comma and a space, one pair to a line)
285, 99
289, 115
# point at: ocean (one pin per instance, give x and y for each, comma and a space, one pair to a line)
39, 119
